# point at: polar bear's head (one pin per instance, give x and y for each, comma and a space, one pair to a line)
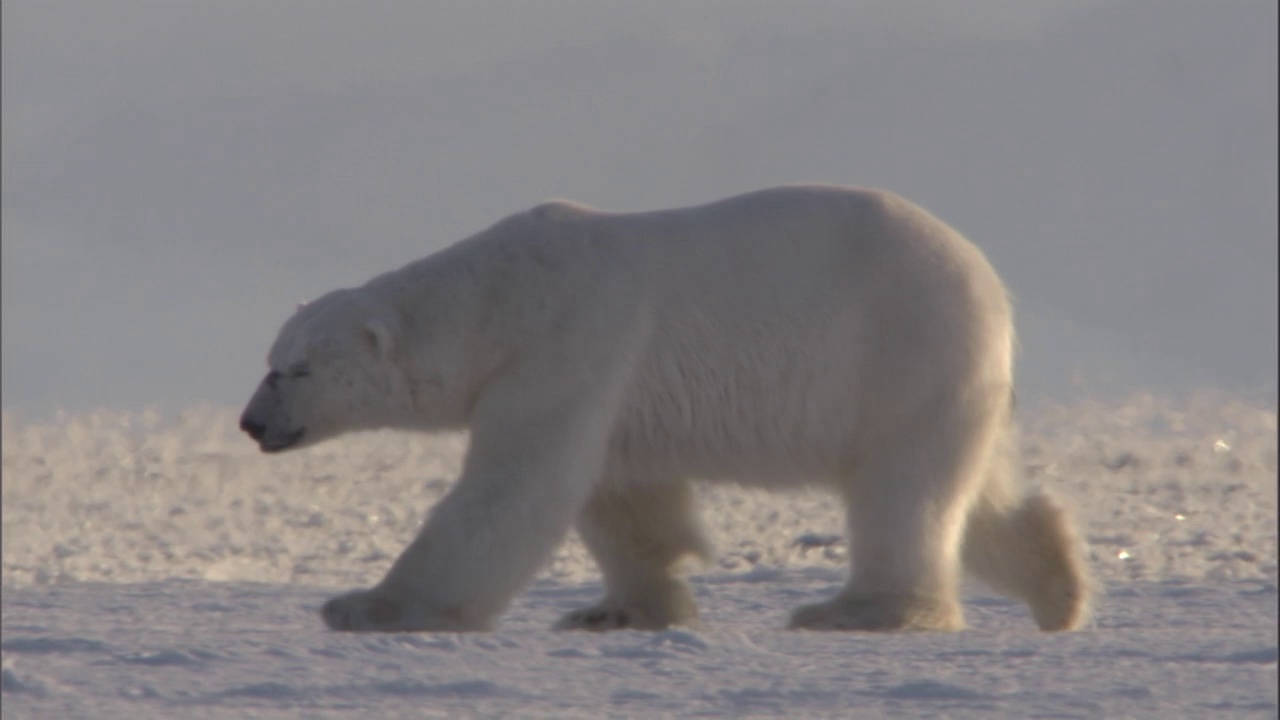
336, 366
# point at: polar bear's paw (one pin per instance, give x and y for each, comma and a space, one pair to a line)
1061, 600
880, 612
380, 611
658, 612
1057, 585
599, 618
609, 616
654, 604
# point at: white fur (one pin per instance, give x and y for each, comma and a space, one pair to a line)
820, 335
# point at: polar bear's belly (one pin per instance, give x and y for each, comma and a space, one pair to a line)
738, 419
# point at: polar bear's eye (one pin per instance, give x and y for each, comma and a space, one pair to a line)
300, 370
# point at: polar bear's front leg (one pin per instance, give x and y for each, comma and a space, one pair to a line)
638, 533
525, 478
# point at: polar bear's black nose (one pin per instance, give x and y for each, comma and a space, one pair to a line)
255, 430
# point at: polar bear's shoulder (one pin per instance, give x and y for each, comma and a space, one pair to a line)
559, 211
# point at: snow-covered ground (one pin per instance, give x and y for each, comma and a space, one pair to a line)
161, 567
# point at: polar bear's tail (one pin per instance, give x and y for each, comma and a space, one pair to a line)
1027, 547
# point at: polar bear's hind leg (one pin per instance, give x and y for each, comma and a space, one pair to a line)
907, 502
1029, 550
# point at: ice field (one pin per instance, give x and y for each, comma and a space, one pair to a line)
162, 567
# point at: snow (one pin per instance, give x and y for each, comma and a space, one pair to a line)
161, 567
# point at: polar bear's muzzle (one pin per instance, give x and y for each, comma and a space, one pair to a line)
267, 418
271, 442
270, 437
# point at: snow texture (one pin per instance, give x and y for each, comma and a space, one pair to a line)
161, 567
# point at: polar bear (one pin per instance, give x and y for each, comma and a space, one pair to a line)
809, 334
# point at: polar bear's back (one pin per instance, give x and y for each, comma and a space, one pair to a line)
785, 244
793, 312
851, 270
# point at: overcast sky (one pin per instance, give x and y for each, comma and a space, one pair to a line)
177, 176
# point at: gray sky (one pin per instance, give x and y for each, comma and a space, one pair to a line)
177, 176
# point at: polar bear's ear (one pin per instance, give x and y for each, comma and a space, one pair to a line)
379, 337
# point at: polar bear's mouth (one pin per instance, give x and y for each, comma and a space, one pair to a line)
277, 444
